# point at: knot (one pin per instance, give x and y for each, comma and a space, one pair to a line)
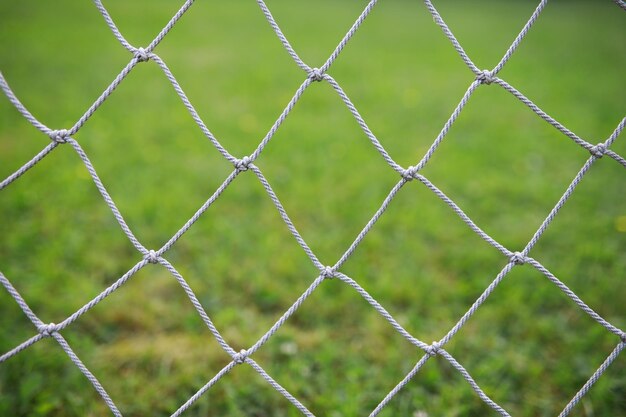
152, 257
433, 349
623, 337
316, 75
485, 77
409, 173
598, 150
141, 55
243, 163
518, 258
240, 357
59, 136
328, 272
46, 330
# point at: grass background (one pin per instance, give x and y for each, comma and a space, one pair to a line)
529, 346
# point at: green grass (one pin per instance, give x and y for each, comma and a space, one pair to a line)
529, 346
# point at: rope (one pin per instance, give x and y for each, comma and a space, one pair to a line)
241, 166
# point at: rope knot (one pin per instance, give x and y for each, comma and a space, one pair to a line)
243, 163
240, 357
328, 272
623, 337
59, 136
598, 150
433, 349
518, 258
409, 173
152, 257
46, 330
316, 75
141, 55
485, 77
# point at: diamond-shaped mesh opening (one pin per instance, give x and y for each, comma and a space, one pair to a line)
414, 247
238, 77
424, 78
45, 251
530, 164
168, 149
148, 330
332, 212
346, 366
243, 263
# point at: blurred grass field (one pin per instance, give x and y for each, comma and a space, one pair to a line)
529, 347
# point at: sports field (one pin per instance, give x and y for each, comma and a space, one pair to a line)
529, 346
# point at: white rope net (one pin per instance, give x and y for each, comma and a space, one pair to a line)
246, 166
